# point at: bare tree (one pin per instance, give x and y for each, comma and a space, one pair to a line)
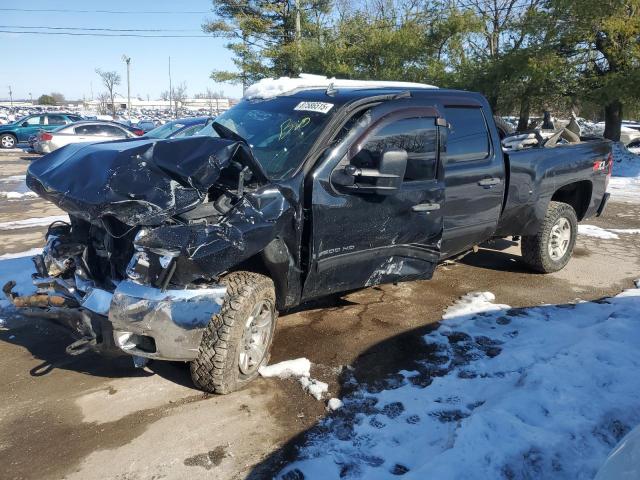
103, 107
110, 80
179, 95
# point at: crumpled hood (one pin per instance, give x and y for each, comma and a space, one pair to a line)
138, 181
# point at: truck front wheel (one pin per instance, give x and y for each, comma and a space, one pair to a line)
237, 341
551, 248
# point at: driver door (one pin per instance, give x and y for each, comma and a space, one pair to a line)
384, 232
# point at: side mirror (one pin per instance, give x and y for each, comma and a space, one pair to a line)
25, 124
384, 180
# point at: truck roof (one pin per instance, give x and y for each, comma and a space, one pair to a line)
320, 89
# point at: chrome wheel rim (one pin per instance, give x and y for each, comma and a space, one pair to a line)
7, 141
255, 339
559, 239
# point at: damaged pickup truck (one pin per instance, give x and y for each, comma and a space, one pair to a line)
186, 249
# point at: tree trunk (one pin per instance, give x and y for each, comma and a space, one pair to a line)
525, 107
613, 120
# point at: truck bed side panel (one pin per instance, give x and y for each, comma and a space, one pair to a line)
536, 174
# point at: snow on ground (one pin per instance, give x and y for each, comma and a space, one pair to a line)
33, 222
606, 234
593, 231
541, 392
624, 185
299, 368
17, 267
272, 87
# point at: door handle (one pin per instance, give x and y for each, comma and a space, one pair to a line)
426, 207
489, 182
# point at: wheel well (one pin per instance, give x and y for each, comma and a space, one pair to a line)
273, 262
9, 133
577, 194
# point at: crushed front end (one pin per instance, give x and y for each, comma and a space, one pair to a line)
153, 226
84, 282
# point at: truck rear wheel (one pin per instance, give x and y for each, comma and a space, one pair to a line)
551, 248
237, 341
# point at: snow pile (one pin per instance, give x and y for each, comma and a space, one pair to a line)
473, 303
624, 185
542, 392
272, 87
334, 404
300, 368
314, 387
17, 195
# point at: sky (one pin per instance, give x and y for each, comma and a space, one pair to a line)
39, 64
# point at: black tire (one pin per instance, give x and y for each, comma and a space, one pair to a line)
535, 248
504, 129
5, 140
217, 368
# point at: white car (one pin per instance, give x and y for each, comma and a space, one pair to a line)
90, 131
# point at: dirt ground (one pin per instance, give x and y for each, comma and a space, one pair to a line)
89, 417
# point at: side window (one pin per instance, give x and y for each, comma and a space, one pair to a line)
417, 135
112, 131
468, 138
87, 130
56, 120
34, 121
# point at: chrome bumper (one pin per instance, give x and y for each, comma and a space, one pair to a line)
164, 325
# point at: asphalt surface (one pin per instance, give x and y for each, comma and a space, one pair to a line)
91, 417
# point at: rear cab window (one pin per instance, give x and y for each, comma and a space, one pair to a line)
468, 137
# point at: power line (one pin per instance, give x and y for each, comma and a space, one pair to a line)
135, 12
103, 29
80, 34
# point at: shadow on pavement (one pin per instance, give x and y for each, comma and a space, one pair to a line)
47, 342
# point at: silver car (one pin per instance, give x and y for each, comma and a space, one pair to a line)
92, 131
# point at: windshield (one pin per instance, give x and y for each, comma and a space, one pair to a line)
164, 131
280, 131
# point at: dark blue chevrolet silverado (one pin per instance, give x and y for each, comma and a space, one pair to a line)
185, 249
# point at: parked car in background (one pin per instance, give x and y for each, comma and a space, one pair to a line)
183, 127
81, 132
20, 130
146, 125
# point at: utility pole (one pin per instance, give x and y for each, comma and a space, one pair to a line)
91, 88
11, 96
127, 60
31, 98
170, 91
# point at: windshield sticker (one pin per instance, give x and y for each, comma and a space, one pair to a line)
289, 126
319, 107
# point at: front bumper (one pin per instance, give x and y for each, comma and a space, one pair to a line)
166, 325
141, 320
